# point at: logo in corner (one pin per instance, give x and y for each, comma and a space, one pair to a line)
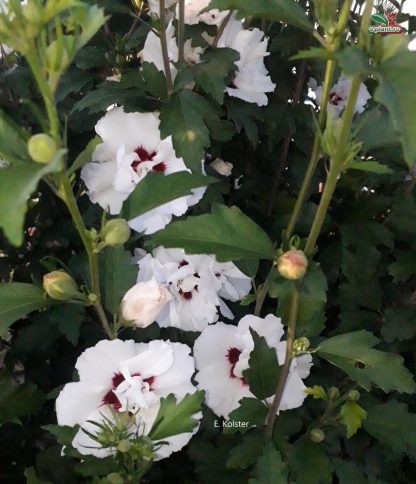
385, 21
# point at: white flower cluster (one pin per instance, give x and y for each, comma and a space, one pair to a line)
185, 291
117, 376
251, 81
131, 148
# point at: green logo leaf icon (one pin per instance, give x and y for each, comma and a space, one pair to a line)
380, 19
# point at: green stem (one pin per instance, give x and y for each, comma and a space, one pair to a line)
284, 374
164, 46
221, 30
329, 74
67, 196
181, 31
47, 96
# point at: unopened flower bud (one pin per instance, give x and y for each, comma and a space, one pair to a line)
333, 393
143, 302
116, 232
317, 435
42, 148
115, 478
353, 395
124, 446
292, 264
60, 285
223, 168
302, 344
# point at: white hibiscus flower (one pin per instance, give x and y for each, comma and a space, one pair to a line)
131, 148
338, 97
197, 283
252, 80
222, 353
152, 51
124, 376
193, 13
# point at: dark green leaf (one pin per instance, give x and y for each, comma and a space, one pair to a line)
251, 412
397, 93
310, 464
246, 453
404, 267
379, 18
270, 467
353, 353
226, 232
118, 275
156, 189
175, 417
68, 317
399, 323
264, 370
17, 300
184, 118
18, 400
154, 80
12, 140
287, 11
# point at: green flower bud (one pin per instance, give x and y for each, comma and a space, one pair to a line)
292, 264
317, 435
115, 478
60, 285
333, 393
353, 395
124, 446
42, 148
116, 232
302, 344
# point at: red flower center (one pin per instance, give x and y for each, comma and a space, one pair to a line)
233, 355
335, 99
188, 294
144, 155
110, 397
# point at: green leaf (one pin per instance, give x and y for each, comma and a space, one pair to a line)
371, 166
85, 156
156, 189
245, 116
246, 453
394, 426
379, 18
404, 267
396, 92
212, 74
352, 416
348, 472
286, 11
270, 467
32, 478
310, 464
63, 433
184, 118
251, 411
90, 19
313, 53
18, 400
264, 370
18, 182
353, 353
154, 80
226, 232
68, 317
399, 323
17, 300
118, 275
317, 392
353, 60
176, 418
13, 140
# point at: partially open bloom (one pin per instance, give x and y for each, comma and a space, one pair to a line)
124, 376
222, 352
143, 302
252, 80
338, 97
131, 148
197, 284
